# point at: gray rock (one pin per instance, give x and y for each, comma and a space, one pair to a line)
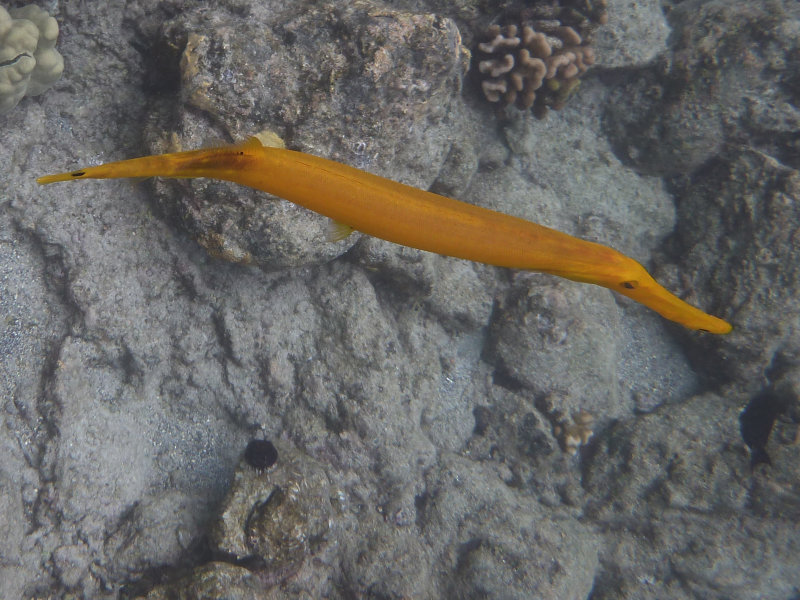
34, 319
740, 251
213, 580
496, 544
636, 33
727, 80
675, 493
277, 517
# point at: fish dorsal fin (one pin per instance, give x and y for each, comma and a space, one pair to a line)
262, 139
266, 138
251, 142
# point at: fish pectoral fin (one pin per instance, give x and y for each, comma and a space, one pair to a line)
338, 231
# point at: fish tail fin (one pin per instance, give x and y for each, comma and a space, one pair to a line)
208, 162
146, 166
80, 174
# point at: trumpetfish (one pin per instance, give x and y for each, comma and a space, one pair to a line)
412, 217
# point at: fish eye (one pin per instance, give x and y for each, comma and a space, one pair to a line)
630, 285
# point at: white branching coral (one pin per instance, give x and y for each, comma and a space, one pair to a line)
29, 62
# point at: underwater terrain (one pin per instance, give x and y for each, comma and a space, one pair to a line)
438, 428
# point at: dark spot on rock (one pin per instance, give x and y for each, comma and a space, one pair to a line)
756, 422
483, 418
504, 378
261, 454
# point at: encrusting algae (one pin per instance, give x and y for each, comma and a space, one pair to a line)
357, 200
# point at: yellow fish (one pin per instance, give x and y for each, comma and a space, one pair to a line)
406, 215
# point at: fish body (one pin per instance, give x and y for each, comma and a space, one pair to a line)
412, 217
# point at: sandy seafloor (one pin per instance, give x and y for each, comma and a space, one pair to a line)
418, 402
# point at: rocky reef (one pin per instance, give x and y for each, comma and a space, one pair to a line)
429, 416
